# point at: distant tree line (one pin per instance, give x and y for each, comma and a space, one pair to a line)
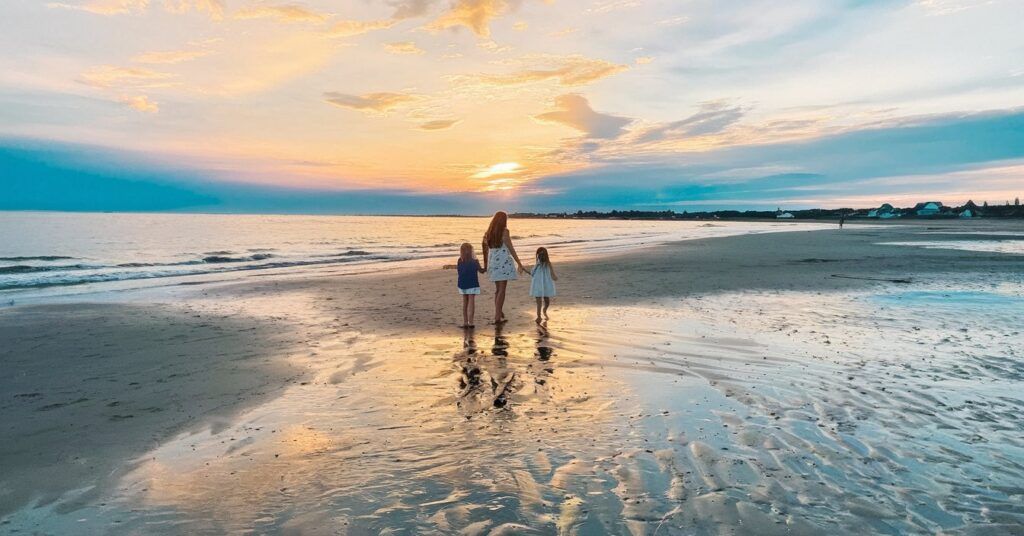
1007, 210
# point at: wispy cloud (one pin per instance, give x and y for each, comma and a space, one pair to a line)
213, 8
371, 102
407, 9
404, 47
104, 7
169, 56
476, 15
947, 7
439, 124
282, 12
473, 14
575, 111
110, 76
351, 28
140, 103
566, 70
712, 118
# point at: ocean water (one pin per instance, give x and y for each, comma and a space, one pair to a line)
45, 253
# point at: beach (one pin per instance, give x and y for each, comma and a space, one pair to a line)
808, 381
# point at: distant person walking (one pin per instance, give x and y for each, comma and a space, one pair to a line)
500, 261
842, 220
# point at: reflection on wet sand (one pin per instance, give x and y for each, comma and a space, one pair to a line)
776, 413
421, 437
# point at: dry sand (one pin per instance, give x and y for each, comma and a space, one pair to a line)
92, 387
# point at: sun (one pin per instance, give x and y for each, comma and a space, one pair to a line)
504, 168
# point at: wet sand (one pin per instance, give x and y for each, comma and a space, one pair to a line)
722, 386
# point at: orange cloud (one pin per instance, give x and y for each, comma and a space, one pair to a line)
351, 28
405, 47
104, 7
284, 13
140, 103
109, 76
473, 14
372, 102
440, 124
213, 8
169, 56
567, 71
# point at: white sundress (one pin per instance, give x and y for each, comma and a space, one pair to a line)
500, 266
542, 284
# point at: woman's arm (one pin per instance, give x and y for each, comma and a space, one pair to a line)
479, 268
512, 250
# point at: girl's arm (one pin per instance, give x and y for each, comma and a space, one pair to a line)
512, 250
485, 250
554, 276
479, 268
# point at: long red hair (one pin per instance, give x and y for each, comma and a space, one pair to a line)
495, 235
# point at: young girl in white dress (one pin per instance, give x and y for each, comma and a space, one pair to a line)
542, 284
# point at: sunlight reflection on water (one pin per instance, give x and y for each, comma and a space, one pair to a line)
788, 412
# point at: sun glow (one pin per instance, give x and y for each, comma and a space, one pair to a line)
504, 168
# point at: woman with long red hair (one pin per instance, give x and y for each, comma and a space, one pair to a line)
499, 254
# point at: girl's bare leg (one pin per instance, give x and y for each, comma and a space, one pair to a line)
547, 302
465, 310
471, 309
538, 310
499, 300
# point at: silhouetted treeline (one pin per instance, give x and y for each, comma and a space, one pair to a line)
1007, 210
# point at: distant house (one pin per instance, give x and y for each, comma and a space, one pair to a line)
930, 208
784, 216
885, 211
970, 210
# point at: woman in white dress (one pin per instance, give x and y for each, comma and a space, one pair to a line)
499, 254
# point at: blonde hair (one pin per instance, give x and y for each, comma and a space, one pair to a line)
466, 252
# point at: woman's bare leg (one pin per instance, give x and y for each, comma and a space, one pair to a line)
499, 300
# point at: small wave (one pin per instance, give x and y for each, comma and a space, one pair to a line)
27, 269
67, 279
349, 253
36, 258
220, 259
225, 252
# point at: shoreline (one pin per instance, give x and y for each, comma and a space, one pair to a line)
192, 341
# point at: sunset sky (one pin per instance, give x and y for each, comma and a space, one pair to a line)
467, 105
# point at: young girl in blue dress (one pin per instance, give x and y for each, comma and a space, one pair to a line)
469, 282
542, 284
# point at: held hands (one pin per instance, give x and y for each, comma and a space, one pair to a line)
522, 269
